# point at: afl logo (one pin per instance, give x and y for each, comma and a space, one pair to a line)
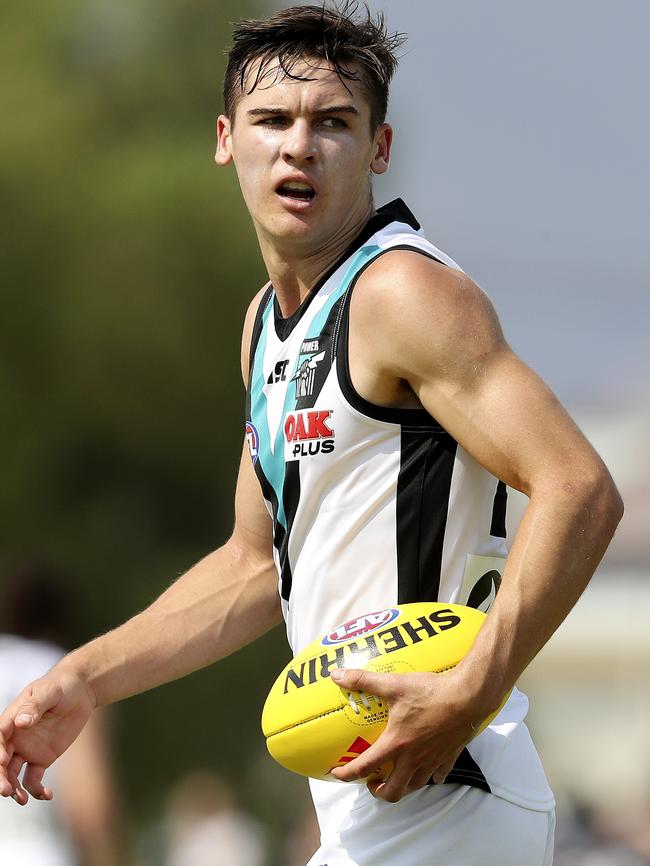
253, 439
360, 626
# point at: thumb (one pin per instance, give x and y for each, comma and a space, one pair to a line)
370, 682
27, 716
32, 704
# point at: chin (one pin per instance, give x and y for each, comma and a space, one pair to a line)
292, 225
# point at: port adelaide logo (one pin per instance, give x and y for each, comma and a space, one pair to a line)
361, 625
305, 376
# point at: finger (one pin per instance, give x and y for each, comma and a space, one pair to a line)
6, 753
420, 778
33, 782
395, 786
369, 762
441, 772
6, 725
384, 685
13, 771
6, 788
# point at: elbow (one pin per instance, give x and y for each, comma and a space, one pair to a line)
613, 506
602, 500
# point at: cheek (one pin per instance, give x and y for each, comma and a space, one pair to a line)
253, 160
350, 177
253, 181
350, 163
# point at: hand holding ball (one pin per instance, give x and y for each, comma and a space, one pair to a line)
312, 725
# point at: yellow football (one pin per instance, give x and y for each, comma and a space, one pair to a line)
312, 725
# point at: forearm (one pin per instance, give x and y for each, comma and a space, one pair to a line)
224, 602
562, 538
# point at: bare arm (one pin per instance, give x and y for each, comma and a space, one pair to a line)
502, 413
449, 354
224, 602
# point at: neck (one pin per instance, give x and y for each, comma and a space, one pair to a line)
294, 269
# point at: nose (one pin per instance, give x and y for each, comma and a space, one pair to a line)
299, 144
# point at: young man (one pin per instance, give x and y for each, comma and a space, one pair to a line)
386, 415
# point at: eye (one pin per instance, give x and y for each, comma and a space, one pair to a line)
272, 120
333, 123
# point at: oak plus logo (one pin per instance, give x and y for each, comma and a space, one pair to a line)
308, 432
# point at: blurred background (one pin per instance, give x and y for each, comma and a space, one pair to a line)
128, 260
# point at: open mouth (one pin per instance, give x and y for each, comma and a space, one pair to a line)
296, 190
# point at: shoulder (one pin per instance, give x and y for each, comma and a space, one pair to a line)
422, 312
247, 333
409, 281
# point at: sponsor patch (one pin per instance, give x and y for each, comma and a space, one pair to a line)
361, 625
278, 373
308, 432
481, 581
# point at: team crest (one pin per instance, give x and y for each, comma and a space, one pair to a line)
306, 375
253, 439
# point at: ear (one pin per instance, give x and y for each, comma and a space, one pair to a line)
223, 154
381, 152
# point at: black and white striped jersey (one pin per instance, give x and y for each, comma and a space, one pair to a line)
371, 506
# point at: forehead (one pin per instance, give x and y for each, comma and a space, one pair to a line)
312, 84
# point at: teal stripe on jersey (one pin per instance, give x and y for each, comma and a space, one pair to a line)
272, 467
272, 462
364, 255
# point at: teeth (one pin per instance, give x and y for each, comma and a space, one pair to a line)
297, 185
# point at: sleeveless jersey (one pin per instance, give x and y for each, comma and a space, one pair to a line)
374, 506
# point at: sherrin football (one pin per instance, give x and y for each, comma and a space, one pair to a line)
312, 725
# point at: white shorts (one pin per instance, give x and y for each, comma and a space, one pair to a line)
445, 825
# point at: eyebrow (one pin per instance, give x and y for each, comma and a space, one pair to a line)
330, 109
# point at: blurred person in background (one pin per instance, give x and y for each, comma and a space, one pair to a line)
203, 826
588, 836
82, 826
303, 838
383, 427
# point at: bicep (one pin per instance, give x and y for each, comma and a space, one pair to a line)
508, 419
451, 351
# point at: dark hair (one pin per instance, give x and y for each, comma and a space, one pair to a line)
334, 35
36, 604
